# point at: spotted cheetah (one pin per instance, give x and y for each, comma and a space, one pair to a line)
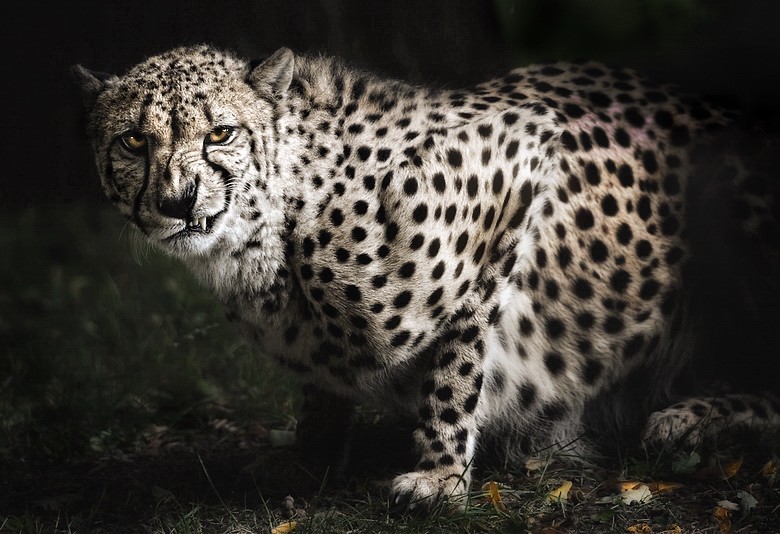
504, 264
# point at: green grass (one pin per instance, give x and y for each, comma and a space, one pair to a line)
128, 404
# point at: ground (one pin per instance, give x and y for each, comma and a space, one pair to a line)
128, 404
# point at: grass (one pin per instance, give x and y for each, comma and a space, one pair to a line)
128, 404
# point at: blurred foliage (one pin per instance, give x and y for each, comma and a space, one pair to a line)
567, 29
96, 346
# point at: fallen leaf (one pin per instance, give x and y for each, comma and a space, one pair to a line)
641, 528
494, 495
770, 468
533, 464
746, 501
728, 505
687, 465
674, 528
720, 472
561, 493
283, 528
661, 487
639, 494
723, 517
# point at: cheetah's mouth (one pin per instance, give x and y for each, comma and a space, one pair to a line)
197, 226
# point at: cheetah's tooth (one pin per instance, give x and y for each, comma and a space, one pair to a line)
203, 223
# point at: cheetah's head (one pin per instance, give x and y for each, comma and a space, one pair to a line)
178, 135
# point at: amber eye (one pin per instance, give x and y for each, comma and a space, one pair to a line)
134, 141
220, 134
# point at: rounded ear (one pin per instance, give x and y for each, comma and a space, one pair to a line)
274, 74
90, 83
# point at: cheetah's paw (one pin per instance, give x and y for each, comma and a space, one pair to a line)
423, 490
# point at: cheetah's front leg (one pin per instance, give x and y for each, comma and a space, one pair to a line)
446, 434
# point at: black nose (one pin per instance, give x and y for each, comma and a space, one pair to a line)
179, 207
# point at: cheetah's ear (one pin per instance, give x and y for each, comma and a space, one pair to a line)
90, 83
274, 74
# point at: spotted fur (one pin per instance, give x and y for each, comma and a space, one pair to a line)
491, 261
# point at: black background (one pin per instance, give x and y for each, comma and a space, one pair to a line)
728, 48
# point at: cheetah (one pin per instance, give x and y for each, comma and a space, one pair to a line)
506, 264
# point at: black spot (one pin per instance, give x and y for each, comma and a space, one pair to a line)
620, 280
600, 136
564, 257
352, 292
643, 208
613, 325
407, 269
592, 370
649, 289
598, 251
622, 138
582, 288
569, 141
461, 243
624, 234
358, 234
609, 205
400, 338
633, 346
511, 149
599, 99
438, 182
626, 175
634, 118
527, 394
498, 182
584, 219
449, 416
573, 110
402, 299
649, 162
643, 248
472, 186
555, 328
592, 174
420, 213
554, 363
454, 158
410, 186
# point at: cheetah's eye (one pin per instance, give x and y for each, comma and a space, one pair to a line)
219, 135
134, 141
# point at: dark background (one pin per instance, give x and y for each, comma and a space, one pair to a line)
726, 48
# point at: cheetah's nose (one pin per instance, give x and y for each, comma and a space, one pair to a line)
178, 207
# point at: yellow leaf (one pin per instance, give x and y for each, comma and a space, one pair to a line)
494, 495
641, 528
560, 493
284, 528
660, 487
674, 528
723, 517
731, 468
770, 468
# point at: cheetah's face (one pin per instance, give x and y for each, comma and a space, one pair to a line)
174, 140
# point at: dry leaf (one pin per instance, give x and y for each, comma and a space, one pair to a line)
770, 469
494, 495
533, 464
560, 493
728, 505
641, 528
720, 472
723, 517
661, 487
283, 528
639, 494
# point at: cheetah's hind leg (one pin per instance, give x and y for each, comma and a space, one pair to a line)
698, 419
